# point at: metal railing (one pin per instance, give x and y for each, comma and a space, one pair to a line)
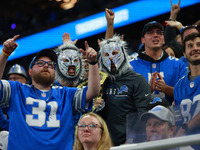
162, 144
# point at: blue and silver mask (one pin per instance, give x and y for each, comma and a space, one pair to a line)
69, 62
112, 51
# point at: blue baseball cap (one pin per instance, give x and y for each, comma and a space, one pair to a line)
45, 52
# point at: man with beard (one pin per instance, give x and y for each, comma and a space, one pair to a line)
41, 115
187, 90
124, 91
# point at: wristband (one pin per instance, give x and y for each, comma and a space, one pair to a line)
181, 30
172, 19
6, 53
93, 62
185, 127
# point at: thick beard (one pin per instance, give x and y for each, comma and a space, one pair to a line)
45, 80
194, 62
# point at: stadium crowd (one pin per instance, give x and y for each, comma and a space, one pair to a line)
157, 86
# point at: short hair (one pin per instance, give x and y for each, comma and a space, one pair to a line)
190, 37
105, 141
189, 27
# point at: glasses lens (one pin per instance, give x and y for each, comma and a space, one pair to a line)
51, 64
89, 126
40, 63
159, 32
92, 126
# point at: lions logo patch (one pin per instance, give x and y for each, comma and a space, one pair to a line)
123, 88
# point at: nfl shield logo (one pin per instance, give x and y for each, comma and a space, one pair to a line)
43, 94
191, 84
153, 66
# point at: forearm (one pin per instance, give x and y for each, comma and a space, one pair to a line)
194, 123
173, 16
169, 90
109, 31
93, 82
3, 61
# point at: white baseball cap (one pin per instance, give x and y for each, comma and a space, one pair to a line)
161, 113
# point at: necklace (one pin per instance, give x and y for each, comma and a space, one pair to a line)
39, 97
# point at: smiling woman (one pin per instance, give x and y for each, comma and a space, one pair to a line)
92, 133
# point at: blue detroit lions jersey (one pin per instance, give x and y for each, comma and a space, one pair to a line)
187, 95
187, 102
37, 124
170, 68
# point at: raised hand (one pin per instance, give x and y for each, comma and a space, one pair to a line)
66, 38
109, 16
10, 45
175, 24
175, 9
90, 53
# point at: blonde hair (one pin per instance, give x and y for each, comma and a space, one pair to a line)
105, 142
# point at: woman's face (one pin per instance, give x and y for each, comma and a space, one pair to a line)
89, 130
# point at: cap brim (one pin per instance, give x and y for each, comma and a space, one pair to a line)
45, 52
145, 116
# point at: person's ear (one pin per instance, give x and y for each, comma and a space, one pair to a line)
172, 130
30, 72
142, 40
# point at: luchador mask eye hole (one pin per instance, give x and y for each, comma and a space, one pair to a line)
76, 60
65, 60
105, 54
115, 52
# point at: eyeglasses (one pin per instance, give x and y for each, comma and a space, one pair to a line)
41, 63
90, 126
15, 78
151, 32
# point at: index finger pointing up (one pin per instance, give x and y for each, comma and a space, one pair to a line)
86, 45
16, 37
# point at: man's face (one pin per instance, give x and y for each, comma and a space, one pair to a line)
157, 129
43, 75
17, 77
192, 51
189, 31
153, 39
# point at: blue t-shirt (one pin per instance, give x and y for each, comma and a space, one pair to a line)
41, 123
170, 68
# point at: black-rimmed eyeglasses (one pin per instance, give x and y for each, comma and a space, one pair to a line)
41, 63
